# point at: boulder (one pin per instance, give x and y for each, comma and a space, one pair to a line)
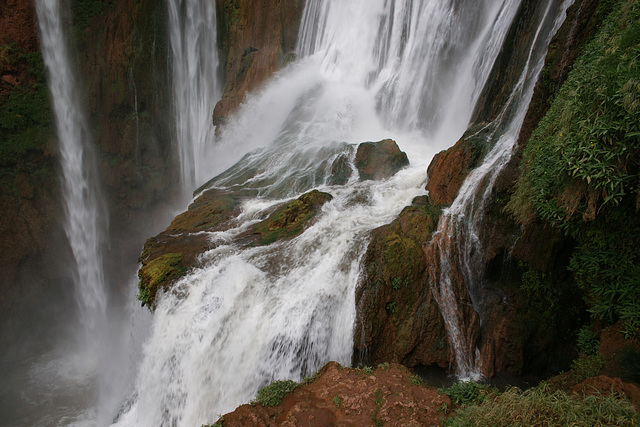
398, 317
379, 160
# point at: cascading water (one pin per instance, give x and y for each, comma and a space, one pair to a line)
192, 28
370, 69
457, 243
85, 221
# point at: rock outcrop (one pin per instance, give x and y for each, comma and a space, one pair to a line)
398, 317
255, 40
171, 254
516, 332
388, 396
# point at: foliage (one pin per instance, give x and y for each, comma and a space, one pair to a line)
336, 401
467, 392
588, 343
416, 380
84, 10
587, 366
539, 407
272, 394
25, 119
581, 167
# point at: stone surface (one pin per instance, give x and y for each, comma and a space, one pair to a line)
398, 318
255, 40
172, 253
379, 160
351, 397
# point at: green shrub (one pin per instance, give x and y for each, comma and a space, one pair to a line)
538, 407
581, 167
588, 344
587, 366
467, 392
630, 365
273, 394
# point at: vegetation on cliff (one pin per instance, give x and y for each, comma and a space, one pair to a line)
581, 168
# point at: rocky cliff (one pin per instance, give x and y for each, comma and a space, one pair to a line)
521, 331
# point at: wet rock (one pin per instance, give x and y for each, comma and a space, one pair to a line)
449, 168
291, 219
379, 160
255, 40
169, 255
398, 317
172, 253
340, 171
345, 397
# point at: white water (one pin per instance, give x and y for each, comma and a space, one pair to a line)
461, 224
192, 31
86, 218
369, 70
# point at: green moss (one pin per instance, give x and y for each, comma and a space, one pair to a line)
291, 219
156, 273
26, 121
273, 394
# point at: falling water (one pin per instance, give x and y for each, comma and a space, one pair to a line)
369, 69
458, 241
85, 220
192, 27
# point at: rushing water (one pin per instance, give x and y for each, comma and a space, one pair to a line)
85, 219
368, 70
192, 30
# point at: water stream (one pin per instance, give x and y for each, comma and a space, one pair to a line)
86, 217
196, 86
368, 70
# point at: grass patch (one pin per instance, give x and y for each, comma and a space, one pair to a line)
273, 394
539, 407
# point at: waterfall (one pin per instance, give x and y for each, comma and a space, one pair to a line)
86, 218
457, 245
192, 31
368, 69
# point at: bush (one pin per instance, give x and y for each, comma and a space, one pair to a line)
467, 392
581, 168
273, 394
539, 407
588, 344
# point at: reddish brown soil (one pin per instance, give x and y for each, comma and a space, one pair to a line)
384, 397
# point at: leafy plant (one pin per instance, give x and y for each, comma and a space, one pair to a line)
588, 343
587, 366
581, 167
416, 380
466, 392
539, 407
336, 401
272, 394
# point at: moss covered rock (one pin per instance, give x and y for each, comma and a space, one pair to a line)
171, 254
291, 219
398, 317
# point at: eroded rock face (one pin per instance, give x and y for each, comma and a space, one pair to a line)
255, 39
351, 397
449, 168
379, 160
171, 254
398, 317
